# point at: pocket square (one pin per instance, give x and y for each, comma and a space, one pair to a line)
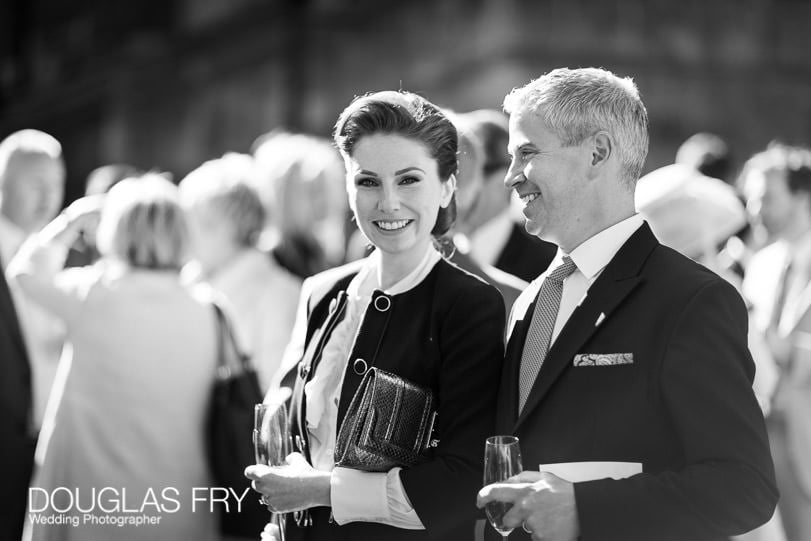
603, 359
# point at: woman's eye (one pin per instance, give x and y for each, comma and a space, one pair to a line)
409, 180
366, 182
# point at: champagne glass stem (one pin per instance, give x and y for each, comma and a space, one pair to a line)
279, 519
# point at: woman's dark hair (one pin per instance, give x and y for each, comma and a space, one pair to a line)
407, 115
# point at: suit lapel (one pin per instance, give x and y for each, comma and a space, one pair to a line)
619, 278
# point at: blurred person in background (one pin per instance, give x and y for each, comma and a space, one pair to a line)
32, 186
708, 154
128, 411
226, 218
17, 431
403, 309
299, 181
99, 181
494, 225
777, 283
469, 184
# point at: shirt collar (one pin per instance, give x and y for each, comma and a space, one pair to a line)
592, 255
366, 280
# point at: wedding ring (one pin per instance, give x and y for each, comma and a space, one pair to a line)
524, 527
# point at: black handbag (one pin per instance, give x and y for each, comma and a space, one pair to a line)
389, 423
229, 426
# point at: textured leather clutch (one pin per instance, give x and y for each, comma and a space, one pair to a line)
388, 423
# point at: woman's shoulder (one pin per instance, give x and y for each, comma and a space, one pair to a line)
457, 283
454, 277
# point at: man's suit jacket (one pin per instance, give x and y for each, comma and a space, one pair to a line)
16, 438
683, 407
524, 255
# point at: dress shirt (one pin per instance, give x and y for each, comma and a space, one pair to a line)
591, 257
357, 495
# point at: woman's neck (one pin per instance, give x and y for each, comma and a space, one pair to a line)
395, 267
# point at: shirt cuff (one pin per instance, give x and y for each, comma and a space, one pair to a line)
371, 497
358, 496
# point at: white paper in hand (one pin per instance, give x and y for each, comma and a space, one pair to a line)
576, 472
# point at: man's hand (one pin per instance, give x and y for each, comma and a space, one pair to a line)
543, 504
292, 487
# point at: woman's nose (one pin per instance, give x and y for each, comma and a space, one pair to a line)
389, 201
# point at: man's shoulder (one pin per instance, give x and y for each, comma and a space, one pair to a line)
673, 277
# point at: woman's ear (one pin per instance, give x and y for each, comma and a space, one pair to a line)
448, 189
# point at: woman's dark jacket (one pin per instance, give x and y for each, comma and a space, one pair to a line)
447, 334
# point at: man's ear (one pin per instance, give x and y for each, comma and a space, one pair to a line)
602, 147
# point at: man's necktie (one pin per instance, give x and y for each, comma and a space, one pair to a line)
540, 330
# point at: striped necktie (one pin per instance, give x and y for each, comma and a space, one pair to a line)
540, 330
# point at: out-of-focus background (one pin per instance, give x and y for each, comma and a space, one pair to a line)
170, 83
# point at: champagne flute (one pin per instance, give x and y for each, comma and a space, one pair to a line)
502, 460
271, 442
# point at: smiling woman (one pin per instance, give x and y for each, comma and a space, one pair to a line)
407, 311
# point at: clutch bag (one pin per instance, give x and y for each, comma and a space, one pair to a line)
389, 423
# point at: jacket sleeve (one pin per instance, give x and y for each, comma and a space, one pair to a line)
443, 490
726, 484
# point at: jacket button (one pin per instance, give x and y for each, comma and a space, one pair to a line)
382, 303
360, 367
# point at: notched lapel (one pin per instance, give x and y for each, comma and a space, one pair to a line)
619, 278
603, 298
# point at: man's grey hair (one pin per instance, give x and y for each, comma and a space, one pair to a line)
577, 103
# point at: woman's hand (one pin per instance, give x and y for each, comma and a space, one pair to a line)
81, 215
270, 533
292, 487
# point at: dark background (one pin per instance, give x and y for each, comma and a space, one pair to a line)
170, 83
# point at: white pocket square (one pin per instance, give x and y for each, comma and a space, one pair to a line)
603, 359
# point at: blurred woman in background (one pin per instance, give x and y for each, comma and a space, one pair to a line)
299, 180
226, 218
134, 395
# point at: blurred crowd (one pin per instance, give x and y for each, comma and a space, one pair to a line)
106, 304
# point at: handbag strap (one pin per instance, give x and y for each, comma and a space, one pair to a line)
226, 340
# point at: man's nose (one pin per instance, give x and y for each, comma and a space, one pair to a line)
514, 175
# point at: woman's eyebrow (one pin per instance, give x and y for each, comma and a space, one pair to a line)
407, 169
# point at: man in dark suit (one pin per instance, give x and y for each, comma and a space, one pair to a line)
16, 439
640, 414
